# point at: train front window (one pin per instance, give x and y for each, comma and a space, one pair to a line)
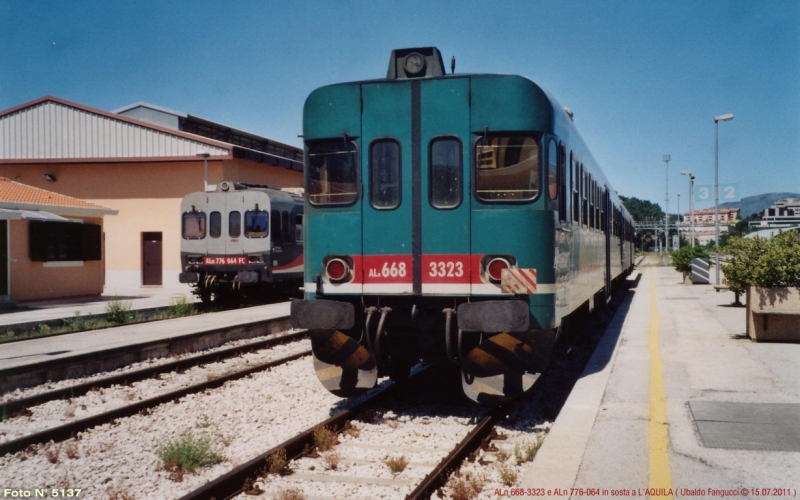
256, 224
384, 173
193, 226
446, 173
332, 173
507, 168
235, 224
215, 224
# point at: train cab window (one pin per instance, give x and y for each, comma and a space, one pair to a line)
384, 173
193, 225
332, 173
277, 235
234, 224
298, 228
552, 170
445, 169
215, 224
507, 168
256, 224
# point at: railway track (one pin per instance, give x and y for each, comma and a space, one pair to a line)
61, 432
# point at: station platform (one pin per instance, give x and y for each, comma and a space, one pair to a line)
676, 402
42, 350
136, 298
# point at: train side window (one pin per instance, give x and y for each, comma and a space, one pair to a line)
298, 228
256, 224
507, 168
332, 173
193, 225
576, 203
446, 167
384, 173
215, 224
235, 224
276, 227
584, 205
562, 179
552, 170
285, 229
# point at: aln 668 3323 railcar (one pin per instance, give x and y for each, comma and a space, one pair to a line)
449, 216
242, 239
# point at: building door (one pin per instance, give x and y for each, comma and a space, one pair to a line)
151, 259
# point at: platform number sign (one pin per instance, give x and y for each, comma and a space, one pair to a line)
727, 192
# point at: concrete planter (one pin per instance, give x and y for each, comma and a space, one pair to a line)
773, 314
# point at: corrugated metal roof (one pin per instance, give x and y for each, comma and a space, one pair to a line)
16, 195
53, 129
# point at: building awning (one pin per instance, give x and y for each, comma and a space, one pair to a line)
17, 214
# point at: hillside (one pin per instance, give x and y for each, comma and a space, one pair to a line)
756, 204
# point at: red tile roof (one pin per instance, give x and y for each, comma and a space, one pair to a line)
14, 192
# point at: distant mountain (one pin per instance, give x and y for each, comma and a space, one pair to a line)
756, 204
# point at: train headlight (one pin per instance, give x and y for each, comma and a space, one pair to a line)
414, 64
338, 270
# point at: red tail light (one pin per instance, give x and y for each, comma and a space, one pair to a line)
495, 268
337, 270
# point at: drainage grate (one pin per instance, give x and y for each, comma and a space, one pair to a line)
747, 426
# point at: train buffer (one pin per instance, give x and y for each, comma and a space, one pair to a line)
736, 301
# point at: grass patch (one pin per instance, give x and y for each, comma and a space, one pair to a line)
465, 487
325, 439
187, 454
527, 451
276, 463
180, 308
119, 312
396, 464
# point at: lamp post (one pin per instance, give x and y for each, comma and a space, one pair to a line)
666, 204
679, 221
691, 203
204, 155
717, 119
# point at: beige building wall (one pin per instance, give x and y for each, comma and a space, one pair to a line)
148, 197
45, 280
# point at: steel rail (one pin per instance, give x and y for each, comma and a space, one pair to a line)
9, 408
439, 475
67, 430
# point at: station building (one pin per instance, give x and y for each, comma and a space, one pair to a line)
783, 213
139, 162
50, 245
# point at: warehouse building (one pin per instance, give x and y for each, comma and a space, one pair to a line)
140, 162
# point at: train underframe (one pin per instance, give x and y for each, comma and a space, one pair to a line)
356, 340
236, 286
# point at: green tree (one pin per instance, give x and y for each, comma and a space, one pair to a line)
642, 210
682, 258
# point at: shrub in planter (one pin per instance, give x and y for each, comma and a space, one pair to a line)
682, 258
763, 263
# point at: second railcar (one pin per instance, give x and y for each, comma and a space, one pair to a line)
242, 240
449, 216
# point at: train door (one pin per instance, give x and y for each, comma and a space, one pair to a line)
607, 230
416, 214
215, 240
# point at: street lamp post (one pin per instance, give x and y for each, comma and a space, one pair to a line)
204, 155
666, 204
691, 203
717, 119
679, 222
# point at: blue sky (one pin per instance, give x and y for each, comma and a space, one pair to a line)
644, 78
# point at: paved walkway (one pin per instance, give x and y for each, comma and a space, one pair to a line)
628, 428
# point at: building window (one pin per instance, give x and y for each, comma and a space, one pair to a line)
64, 241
